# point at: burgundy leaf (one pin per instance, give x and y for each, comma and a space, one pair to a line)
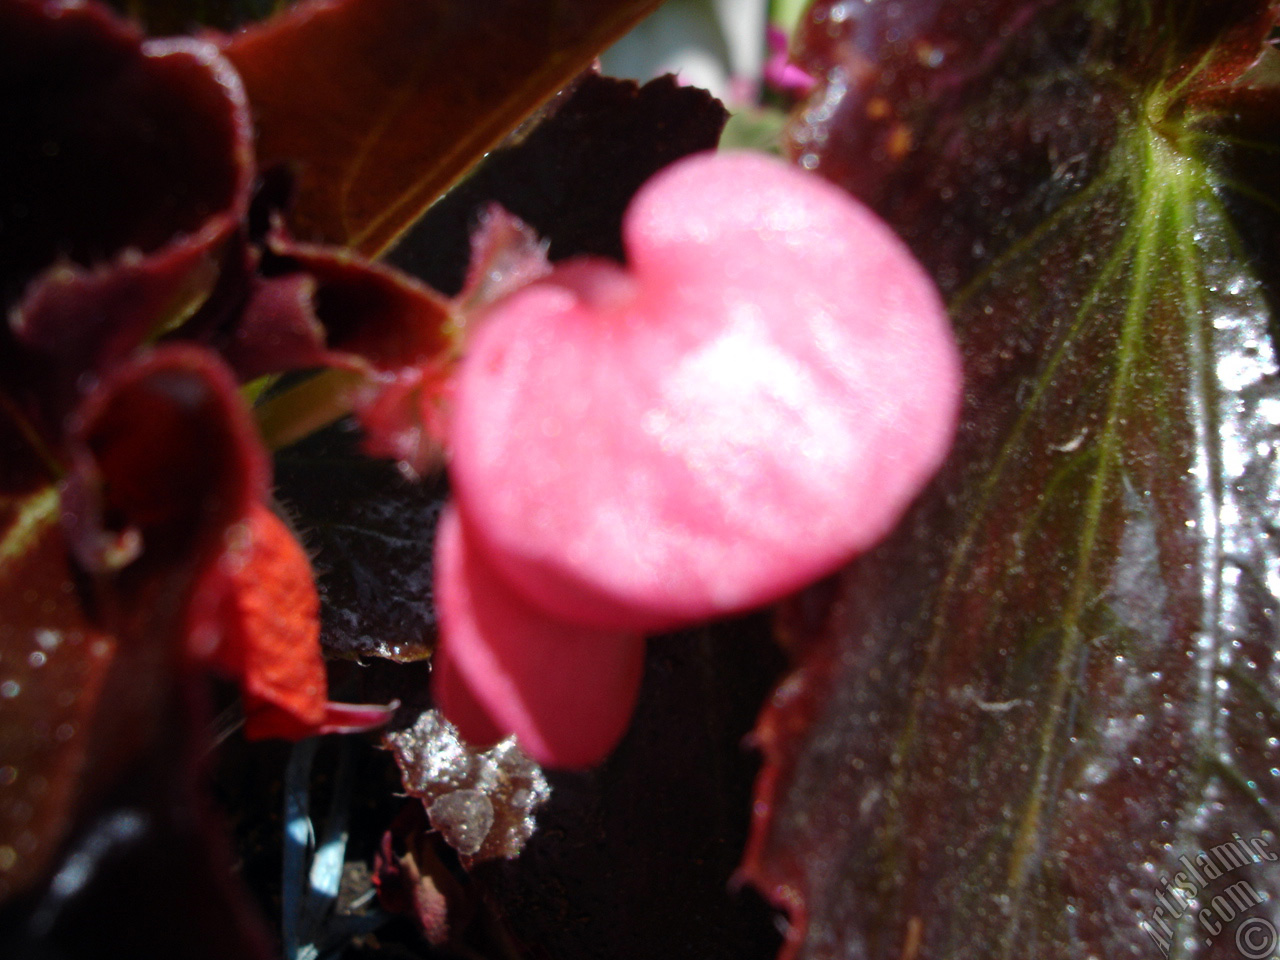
110, 233
53, 663
163, 451
162, 17
369, 531
165, 465
1058, 678
572, 176
84, 172
321, 305
634, 859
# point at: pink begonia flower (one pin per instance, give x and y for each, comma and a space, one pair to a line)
753, 400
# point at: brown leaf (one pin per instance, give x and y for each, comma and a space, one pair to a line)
380, 105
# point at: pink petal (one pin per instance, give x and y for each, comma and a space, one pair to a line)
455, 699
356, 717
754, 401
564, 690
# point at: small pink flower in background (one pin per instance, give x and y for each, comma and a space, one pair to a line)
779, 72
734, 48
753, 400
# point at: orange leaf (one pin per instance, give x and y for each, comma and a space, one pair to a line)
271, 631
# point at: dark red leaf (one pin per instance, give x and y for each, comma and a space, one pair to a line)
369, 531
634, 860
109, 231
112, 144
395, 339
1059, 676
27, 462
380, 105
164, 452
162, 17
571, 177
278, 329
164, 463
53, 663
370, 315
89, 320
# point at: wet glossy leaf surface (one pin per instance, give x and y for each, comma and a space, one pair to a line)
379, 106
52, 666
1060, 675
109, 234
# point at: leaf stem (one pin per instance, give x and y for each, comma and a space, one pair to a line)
306, 407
